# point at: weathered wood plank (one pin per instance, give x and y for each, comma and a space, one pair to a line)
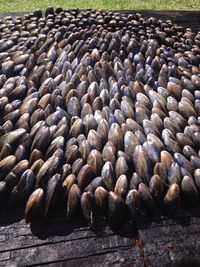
170, 241
68, 245
115, 247
174, 242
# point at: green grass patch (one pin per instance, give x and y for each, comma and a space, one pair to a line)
29, 5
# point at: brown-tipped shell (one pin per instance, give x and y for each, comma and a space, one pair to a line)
35, 206
101, 200
133, 200
189, 191
52, 194
121, 186
108, 175
73, 202
84, 177
115, 136
172, 198
156, 188
95, 160
146, 199
118, 212
87, 206
6, 165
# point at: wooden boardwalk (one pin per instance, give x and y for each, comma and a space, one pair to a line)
165, 242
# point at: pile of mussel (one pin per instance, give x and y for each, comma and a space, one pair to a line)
99, 116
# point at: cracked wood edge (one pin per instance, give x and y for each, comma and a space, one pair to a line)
167, 241
53, 243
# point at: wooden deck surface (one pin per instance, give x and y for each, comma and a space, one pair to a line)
165, 242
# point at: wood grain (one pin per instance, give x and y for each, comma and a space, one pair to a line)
57, 242
172, 242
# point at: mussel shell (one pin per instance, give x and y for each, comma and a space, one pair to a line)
118, 212
4, 193
35, 206
156, 188
142, 163
146, 199
133, 200
87, 206
172, 199
101, 200
12, 137
108, 175
121, 186
189, 191
121, 167
108, 153
73, 203
95, 160
6, 166
84, 177
52, 194
115, 136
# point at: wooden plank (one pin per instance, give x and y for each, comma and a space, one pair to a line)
174, 242
68, 245
113, 249
170, 241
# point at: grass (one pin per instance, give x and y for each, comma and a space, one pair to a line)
29, 5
